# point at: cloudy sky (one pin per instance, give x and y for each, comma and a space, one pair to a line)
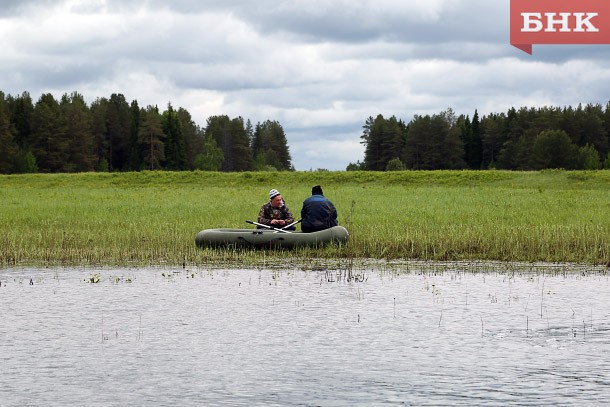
319, 67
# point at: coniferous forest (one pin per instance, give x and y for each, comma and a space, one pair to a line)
112, 134
525, 139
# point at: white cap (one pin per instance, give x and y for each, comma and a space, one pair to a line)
273, 193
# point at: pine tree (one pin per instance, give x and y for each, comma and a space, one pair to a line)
366, 131
594, 131
135, 155
118, 127
78, 125
150, 137
50, 143
507, 157
99, 110
416, 143
453, 148
392, 140
491, 138
20, 110
424, 147
8, 146
373, 153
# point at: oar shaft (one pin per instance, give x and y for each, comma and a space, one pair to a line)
292, 224
267, 226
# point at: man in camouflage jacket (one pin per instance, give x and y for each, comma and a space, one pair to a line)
275, 213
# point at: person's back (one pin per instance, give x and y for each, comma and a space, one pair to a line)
318, 212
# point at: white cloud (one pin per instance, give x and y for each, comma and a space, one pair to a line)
322, 153
319, 67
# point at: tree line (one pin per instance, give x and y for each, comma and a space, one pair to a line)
112, 134
524, 139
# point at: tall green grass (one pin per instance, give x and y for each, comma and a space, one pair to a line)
152, 217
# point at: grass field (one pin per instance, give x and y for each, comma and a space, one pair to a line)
152, 217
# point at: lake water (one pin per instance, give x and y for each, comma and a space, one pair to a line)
109, 337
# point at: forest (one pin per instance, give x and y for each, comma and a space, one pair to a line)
525, 139
112, 134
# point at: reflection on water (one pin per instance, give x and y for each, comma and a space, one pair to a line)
263, 337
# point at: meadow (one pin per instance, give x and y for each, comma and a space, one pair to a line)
151, 218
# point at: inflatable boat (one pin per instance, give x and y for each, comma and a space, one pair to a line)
269, 238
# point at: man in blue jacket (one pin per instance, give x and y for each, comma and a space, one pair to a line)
318, 212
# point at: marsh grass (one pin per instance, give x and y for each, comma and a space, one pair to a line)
151, 218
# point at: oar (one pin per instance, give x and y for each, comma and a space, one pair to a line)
268, 227
292, 224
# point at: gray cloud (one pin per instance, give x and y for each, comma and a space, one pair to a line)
320, 67
16, 7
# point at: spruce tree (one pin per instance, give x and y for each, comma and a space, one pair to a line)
270, 147
175, 147
50, 145
193, 137
8, 146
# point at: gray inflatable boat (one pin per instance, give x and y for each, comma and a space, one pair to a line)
266, 238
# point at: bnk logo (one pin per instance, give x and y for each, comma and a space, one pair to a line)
559, 22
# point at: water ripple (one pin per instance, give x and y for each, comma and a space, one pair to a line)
268, 337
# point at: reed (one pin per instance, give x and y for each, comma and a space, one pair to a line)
151, 218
